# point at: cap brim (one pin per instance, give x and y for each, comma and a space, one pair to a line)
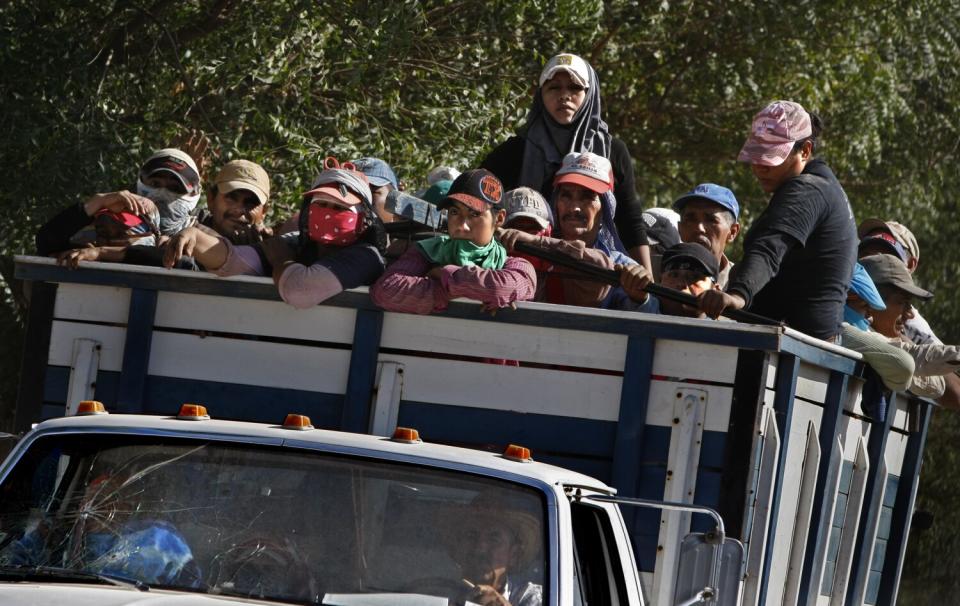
594, 185
689, 258
543, 223
351, 199
469, 201
871, 225
764, 153
679, 202
379, 181
915, 290
547, 75
888, 246
179, 177
228, 186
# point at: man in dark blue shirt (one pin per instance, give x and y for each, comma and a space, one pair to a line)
799, 254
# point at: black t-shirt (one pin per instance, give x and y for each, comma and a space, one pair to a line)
799, 255
506, 160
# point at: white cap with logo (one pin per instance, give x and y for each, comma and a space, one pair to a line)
572, 64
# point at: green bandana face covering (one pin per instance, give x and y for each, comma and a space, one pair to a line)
444, 250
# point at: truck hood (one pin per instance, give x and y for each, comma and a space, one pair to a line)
58, 594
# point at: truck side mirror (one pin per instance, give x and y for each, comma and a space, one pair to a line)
696, 567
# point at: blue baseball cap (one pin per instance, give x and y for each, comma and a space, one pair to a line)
714, 193
862, 285
377, 171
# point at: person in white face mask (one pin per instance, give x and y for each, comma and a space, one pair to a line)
171, 180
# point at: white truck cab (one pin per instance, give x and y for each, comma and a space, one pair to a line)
199, 507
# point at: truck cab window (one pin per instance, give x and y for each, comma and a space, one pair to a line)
596, 556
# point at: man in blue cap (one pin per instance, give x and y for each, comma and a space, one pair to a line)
382, 181
709, 216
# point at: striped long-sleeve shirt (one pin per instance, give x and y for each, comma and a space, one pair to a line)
405, 286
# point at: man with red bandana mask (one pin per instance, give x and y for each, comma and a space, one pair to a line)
339, 245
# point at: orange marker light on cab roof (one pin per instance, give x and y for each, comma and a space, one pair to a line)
520, 454
297, 422
406, 435
91, 407
193, 412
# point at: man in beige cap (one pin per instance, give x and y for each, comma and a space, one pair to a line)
878, 236
237, 202
896, 286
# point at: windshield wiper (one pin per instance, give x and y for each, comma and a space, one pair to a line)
67, 574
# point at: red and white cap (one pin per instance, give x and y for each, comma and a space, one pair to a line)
587, 170
774, 131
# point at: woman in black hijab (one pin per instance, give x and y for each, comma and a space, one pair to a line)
565, 118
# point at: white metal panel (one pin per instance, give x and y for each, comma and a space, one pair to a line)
769, 460
831, 491
386, 402
805, 415
851, 524
801, 526
812, 380
111, 339
901, 416
83, 373
690, 360
530, 390
896, 449
815, 380
853, 431
663, 394
853, 404
255, 317
92, 303
682, 459
435, 334
241, 360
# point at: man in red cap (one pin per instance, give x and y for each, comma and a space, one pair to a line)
799, 254
584, 209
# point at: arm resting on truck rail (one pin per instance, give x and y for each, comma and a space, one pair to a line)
407, 287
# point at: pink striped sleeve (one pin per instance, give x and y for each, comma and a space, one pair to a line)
405, 286
517, 281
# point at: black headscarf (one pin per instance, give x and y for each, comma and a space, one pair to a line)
547, 142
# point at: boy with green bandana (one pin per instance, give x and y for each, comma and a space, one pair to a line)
467, 263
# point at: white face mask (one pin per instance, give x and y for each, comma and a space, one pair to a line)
174, 208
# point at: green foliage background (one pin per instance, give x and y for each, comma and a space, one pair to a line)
90, 88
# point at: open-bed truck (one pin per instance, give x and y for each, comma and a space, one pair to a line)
811, 466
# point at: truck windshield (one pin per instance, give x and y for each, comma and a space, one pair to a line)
270, 523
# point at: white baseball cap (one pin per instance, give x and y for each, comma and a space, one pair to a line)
572, 64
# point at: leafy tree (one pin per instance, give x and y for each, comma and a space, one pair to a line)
90, 88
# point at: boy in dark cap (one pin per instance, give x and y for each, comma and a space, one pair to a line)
468, 263
686, 267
